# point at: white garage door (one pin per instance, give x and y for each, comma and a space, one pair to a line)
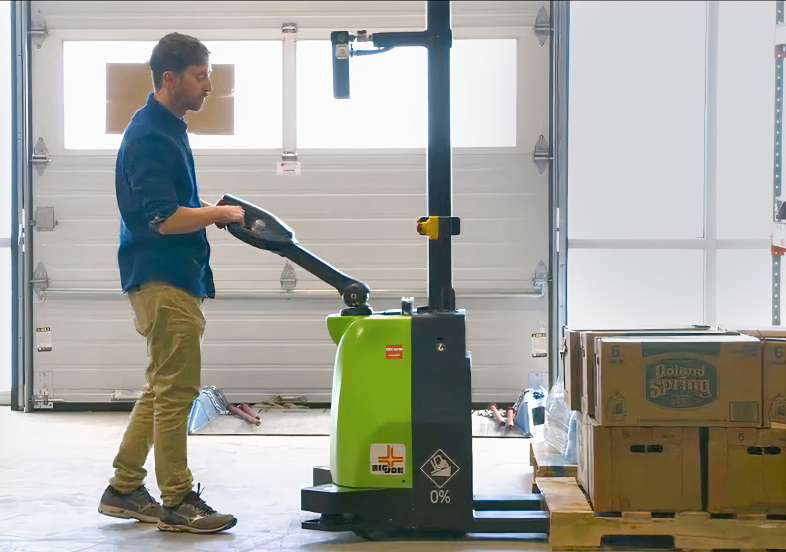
362, 187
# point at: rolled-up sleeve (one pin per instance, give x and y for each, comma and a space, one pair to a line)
148, 165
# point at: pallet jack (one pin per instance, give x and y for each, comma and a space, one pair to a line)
401, 436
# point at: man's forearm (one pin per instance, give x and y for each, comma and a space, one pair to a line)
189, 219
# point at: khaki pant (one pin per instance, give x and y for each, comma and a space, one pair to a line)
171, 319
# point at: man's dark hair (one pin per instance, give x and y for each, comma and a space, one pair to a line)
176, 52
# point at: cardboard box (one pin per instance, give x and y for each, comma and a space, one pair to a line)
588, 354
747, 471
651, 469
764, 331
571, 362
712, 380
128, 84
774, 383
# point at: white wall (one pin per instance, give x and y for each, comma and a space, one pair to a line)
642, 242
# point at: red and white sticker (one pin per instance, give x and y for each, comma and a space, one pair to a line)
388, 459
394, 351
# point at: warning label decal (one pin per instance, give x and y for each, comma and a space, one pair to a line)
388, 459
394, 351
440, 468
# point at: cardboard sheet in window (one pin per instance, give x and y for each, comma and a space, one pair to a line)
128, 84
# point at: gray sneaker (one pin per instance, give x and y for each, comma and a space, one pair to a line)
137, 504
194, 516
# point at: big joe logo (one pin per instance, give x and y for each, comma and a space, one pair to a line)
682, 383
388, 459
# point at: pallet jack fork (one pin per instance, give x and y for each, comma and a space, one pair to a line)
347, 509
401, 437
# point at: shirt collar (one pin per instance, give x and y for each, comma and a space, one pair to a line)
162, 115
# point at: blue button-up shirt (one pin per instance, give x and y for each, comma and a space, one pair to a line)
154, 176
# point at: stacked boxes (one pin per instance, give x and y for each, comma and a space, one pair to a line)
747, 470
578, 345
675, 422
652, 469
774, 382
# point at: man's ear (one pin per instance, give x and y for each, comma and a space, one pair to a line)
167, 80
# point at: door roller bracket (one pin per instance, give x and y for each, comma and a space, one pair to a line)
40, 158
541, 279
38, 30
40, 280
541, 155
288, 277
542, 26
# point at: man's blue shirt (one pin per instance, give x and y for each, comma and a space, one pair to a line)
154, 176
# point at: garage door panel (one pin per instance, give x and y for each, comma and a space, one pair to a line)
355, 209
289, 379
76, 229
498, 384
256, 174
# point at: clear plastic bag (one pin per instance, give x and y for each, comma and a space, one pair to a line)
560, 429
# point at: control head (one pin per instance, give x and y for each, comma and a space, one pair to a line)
260, 229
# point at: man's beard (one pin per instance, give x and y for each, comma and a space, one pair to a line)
191, 103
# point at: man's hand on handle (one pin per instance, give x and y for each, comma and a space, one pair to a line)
229, 213
189, 219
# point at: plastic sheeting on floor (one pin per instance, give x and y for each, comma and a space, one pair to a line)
54, 467
317, 422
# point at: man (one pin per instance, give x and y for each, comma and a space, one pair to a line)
163, 258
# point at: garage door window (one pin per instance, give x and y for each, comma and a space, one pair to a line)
99, 76
388, 108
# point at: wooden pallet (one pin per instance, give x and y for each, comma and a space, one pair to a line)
575, 526
548, 464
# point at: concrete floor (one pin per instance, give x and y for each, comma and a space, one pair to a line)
54, 467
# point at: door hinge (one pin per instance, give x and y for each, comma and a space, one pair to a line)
40, 280
40, 158
543, 26
38, 30
541, 155
288, 277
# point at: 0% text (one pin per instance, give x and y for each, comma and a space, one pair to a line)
440, 497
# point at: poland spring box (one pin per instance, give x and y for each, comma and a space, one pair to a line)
679, 381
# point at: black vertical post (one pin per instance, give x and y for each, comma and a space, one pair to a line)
441, 296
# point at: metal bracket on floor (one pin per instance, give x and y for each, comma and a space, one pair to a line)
42, 390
